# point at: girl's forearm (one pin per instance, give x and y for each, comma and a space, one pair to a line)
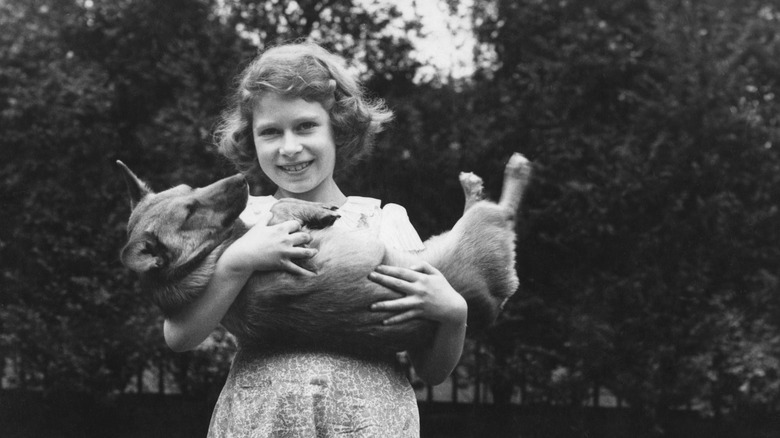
435, 363
193, 324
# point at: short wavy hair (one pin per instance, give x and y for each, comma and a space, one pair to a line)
307, 71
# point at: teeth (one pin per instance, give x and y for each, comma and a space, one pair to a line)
296, 167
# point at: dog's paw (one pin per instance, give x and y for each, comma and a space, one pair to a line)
472, 188
518, 167
312, 215
517, 174
318, 220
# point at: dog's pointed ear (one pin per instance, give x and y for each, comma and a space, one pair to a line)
143, 254
136, 188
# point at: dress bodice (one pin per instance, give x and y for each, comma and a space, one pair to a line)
390, 222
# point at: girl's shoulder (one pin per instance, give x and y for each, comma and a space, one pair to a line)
397, 231
390, 221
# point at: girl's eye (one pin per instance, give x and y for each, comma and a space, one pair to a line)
306, 126
269, 132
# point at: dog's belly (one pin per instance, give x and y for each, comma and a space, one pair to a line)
330, 307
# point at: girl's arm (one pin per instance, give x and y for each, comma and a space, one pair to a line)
427, 295
262, 248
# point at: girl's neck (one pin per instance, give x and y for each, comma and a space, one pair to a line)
326, 193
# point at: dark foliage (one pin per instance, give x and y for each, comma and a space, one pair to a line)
649, 246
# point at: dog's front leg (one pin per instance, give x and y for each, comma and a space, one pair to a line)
312, 215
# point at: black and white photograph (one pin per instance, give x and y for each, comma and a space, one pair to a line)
389, 218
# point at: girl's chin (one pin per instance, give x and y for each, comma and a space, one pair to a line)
296, 189
292, 182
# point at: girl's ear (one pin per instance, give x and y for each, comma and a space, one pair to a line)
136, 188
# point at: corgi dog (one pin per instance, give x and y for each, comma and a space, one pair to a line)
176, 236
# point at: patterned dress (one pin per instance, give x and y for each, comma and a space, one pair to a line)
285, 393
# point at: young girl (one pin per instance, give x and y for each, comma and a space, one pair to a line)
297, 117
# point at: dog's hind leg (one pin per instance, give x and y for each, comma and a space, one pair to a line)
517, 173
478, 255
472, 189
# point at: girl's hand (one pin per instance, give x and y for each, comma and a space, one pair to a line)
270, 248
427, 293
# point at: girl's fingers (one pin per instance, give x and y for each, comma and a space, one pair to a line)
398, 272
425, 268
290, 226
396, 284
302, 253
406, 316
295, 269
395, 305
300, 238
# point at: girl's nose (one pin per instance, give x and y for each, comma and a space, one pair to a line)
290, 145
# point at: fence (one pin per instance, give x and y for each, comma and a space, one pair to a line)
27, 414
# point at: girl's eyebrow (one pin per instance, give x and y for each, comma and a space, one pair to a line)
260, 126
304, 117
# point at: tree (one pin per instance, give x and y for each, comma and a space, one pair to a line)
652, 127
83, 83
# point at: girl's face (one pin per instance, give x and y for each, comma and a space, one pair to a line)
295, 147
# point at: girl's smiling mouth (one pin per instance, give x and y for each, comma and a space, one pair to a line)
294, 168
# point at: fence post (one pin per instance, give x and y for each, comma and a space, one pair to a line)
477, 373
161, 376
454, 379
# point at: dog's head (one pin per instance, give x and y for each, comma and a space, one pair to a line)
171, 231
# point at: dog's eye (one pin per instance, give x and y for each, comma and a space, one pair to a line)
192, 207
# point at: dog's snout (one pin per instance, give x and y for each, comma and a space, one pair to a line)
234, 181
237, 184
237, 179
231, 187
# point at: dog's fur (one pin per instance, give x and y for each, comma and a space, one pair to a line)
176, 237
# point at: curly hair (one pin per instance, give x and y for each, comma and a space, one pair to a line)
307, 71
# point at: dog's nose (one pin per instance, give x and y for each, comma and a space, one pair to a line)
237, 179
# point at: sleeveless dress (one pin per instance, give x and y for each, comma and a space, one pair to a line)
296, 394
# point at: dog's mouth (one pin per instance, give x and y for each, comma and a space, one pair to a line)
234, 213
237, 194
226, 197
